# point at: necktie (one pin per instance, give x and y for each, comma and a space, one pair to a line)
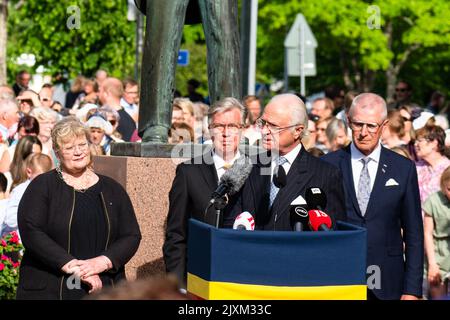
227, 165
364, 187
273, 188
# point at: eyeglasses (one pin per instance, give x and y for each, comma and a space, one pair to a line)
358, 126
131, 92
401, 89
231, 127
113, 122
261, 123
419, 140
71, 149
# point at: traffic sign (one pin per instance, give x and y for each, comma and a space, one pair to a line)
183, 58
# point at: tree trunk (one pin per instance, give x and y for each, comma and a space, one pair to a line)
3, 39
349, 84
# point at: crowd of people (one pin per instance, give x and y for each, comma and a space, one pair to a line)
348, 141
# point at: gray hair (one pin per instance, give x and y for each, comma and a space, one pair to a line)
44, 114
295, 106
107, 110
7, 104
333, 128
224, 105
370, 101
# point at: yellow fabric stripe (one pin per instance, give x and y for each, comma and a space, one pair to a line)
234, 291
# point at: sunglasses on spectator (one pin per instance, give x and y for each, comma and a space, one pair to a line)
401, 89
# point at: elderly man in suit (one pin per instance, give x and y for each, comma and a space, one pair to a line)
282, 125
382, 195
196, 180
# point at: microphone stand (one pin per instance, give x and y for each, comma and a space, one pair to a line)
219, 204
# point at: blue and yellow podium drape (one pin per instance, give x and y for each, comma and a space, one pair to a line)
238, 264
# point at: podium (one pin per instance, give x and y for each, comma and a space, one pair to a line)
225, 264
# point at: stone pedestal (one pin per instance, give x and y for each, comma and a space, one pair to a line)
147, 181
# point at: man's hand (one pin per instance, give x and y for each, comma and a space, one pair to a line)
71, 267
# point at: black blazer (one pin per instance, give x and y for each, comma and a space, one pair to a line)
191, 191
44, 218
393, 209
306, 171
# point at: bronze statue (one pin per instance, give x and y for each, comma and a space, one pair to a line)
164, 29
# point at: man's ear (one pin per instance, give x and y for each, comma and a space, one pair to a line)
29, 172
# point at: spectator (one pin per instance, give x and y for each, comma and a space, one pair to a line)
22, 82
113, 117
336, 94
336, 133
100, 76
100, 129
193, 95
28, 99
322, 140
181, 133
9, 118
437, 237
437, 102
430, 147
6, 92
253, 106
47, 119
402, 96
26, 146
130, 98
3, 199
110, 93
394, 132
34, 165
75, 90
309, 138
177, 114
322, 108
46, 96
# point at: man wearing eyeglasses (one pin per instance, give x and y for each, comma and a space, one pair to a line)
403, 95
282, 126
382, 195
196, 180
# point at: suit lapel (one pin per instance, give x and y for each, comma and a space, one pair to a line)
347, 172
208, 171
298, 177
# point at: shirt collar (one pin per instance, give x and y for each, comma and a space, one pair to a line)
358, 155
291, 155
4, 133
219, 162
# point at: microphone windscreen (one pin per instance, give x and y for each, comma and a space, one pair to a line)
317, 218
315, 198
245, 219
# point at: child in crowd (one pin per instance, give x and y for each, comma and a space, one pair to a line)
437, 238
36, 164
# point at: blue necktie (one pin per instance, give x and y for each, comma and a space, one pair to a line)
364, 187
273, 188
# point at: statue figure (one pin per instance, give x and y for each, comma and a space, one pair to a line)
164, 29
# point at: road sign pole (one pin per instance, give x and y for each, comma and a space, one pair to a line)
302, 58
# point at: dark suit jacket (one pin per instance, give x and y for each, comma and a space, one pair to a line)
191, 191
391, 209
306, 171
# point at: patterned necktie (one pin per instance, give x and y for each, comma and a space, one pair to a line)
364, 186
273, 188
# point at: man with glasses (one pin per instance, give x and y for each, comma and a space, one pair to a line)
282, 126
403, 94
382, 195
196, 180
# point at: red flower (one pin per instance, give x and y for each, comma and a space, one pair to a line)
3, 257
14, 238
4, 243
2, 266
16, 264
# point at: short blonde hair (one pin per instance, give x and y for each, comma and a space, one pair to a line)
44, 114
67, 129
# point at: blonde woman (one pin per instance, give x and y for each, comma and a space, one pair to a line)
74, 224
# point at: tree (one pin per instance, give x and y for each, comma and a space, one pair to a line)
361, 43
76, 36
3, 39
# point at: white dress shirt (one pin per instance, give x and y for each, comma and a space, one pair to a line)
290, 157
357, 165
219, 163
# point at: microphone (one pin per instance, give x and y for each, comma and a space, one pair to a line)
244, 221
316, 199
233, 179
299, 214
319, 220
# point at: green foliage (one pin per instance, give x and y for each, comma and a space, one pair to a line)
105, 38
9, 269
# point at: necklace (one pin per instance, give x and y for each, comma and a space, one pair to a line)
80, 184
